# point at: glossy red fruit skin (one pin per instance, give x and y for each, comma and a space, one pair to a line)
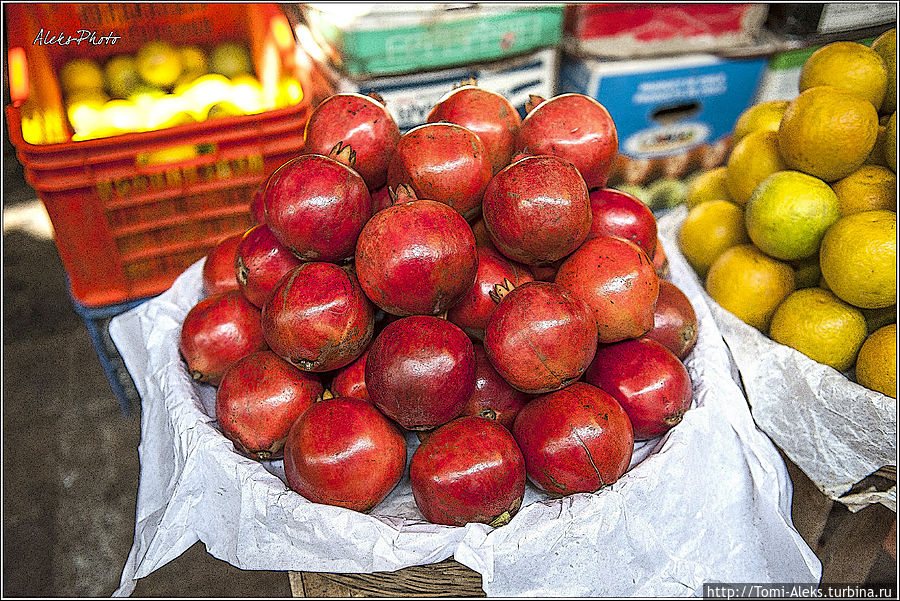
344, 452
492, 396
260, 261
350, 381
257, 206
317, 317
218, 270
674, 320
660, 260
218, 331
541, 338
360, 122
487, 114
537, 210
469, 470
317, 207
574, 127
650, 383
443, 162
620, 214
420, 371
615, 277
577, 439
259, 399
495, 277
416, 258
482, 238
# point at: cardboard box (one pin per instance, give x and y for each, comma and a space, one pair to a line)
410, 98
367, 40
632, 30
672, 115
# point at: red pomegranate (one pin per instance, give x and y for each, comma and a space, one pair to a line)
351, 380
259, 399
615, 277
317, 206
416, 257
496, 276
620, 214
649, 382
577, 439
442, 162
317, 317
660, 260
574, 127
488, 114
257, 207
218, 331
344, 452
469, 470
493, 397
541, 337
218, 270
537, 210
381, 199
420, 371
360, 123
482, 238
260, 261
674, 320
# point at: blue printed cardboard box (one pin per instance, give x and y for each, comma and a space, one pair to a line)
674, 116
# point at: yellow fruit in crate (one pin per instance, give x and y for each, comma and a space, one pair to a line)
807, 272
230, 59
821, 326
193, 63
876, 364
886, 46
869, 188
290, 92
224, 109
789, 213
159, 63
859, 259
174, 154
876, 157
709, 185
752, 160
749, 284
827, 132
708, 230
762, 116
890, 143
850, 66
79, 75
121, 76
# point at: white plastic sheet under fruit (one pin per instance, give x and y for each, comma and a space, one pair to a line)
708, 502
835, 430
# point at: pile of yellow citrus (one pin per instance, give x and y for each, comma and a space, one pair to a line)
796, 234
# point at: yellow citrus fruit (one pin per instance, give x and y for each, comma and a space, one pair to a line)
890, 143
869, 188
121, 76
708, 230
230, 59
821, 326
827, 132
878, 318
750, 284
886, 46
193, 62
752, 160
859, 259
876, 364
79, 75
762, 116
876, 157
849, 66
807, 272
789, 213
159, 63
709, 185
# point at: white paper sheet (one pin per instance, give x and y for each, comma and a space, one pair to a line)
708, 502
835, 430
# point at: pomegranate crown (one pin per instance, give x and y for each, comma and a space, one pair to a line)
468, 81
402, 193
343, 153
533, 101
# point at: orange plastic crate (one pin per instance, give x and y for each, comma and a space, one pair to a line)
124, 229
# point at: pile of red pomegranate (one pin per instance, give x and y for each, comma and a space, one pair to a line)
472, 281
